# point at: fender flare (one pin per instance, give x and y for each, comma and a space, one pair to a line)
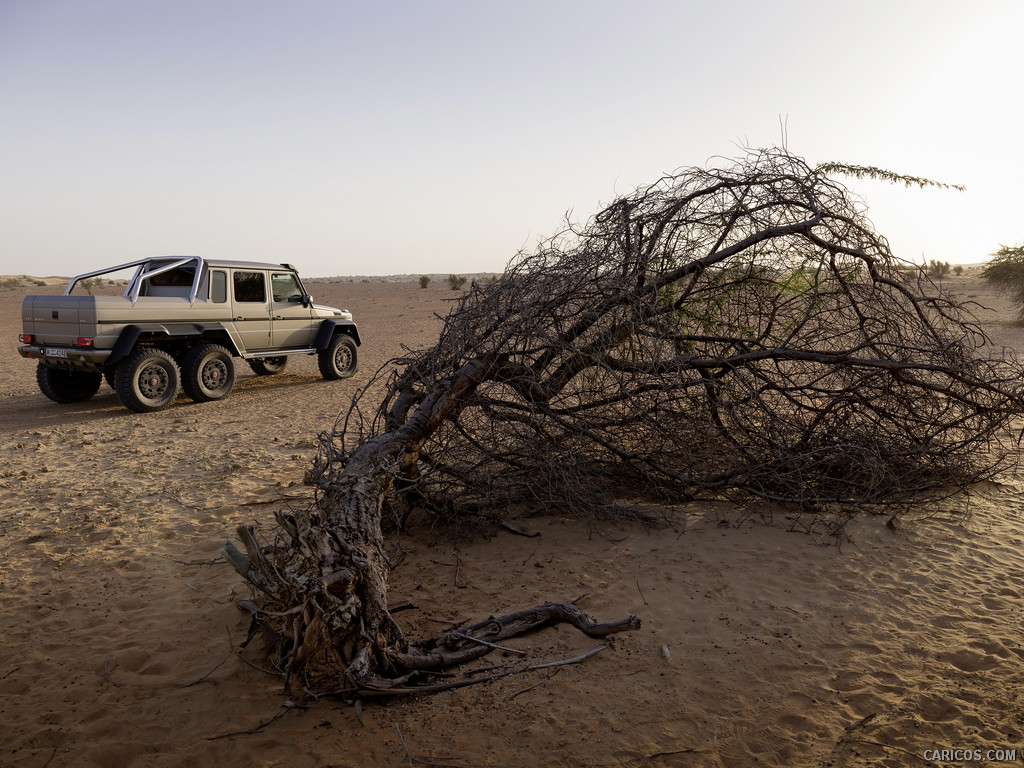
326, 333
130, 334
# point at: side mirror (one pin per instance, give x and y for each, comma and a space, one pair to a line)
307, 300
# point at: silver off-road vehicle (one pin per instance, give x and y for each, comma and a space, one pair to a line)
179, 325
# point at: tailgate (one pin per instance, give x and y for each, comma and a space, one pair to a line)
55, 320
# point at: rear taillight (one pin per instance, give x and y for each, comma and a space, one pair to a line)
25, 338
83, 341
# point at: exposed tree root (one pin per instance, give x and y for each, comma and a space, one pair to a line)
472, 642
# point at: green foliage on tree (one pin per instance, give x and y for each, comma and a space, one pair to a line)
1005, 272
881, 174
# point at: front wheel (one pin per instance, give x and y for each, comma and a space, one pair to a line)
208, 373
147, 381
67, 386
266, 366
339, 360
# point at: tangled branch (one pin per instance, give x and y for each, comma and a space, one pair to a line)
739, 333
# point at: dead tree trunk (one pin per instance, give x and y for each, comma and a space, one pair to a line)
739, 333
336, 576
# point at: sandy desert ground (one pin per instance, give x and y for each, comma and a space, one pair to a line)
758, 646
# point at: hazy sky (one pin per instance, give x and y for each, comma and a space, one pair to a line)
407, 137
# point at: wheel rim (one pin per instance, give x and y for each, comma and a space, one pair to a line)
153, 381
342, 358
214, 374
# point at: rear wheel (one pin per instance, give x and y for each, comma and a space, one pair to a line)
63, 385
108, 376
207, 373
266, 366
147, 381
339, 360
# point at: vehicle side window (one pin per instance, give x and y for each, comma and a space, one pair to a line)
250, 286
285, 287
218, 287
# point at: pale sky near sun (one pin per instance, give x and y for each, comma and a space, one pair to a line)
378, 138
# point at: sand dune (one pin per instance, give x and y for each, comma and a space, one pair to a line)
758, 644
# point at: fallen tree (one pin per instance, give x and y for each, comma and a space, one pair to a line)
736, 333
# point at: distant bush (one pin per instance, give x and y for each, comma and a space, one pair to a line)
40, 282
1005, 273
424, 281
10, 282
938, 269
909, 273
456, 281
958, 270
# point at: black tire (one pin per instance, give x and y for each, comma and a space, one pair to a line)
108, 376
267, 366
207, 373
148, 380
63, 385
339, 360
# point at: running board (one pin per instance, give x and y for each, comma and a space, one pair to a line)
278, 353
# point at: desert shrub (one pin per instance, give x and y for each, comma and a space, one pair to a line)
456, 281
736, 333
938, 269
10, 282
909, 273
424, 281
1005, 272
958, 270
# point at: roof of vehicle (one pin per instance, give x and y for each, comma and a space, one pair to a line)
154, 265
229, 264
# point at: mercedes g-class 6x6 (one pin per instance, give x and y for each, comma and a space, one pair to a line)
179, 325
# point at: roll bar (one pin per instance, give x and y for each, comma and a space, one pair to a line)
147, 268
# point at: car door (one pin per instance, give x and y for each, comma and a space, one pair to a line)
250, 308
291, 318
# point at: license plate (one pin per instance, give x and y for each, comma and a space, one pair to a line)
51, 352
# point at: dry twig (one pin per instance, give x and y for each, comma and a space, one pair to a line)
286, 708
106, 677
